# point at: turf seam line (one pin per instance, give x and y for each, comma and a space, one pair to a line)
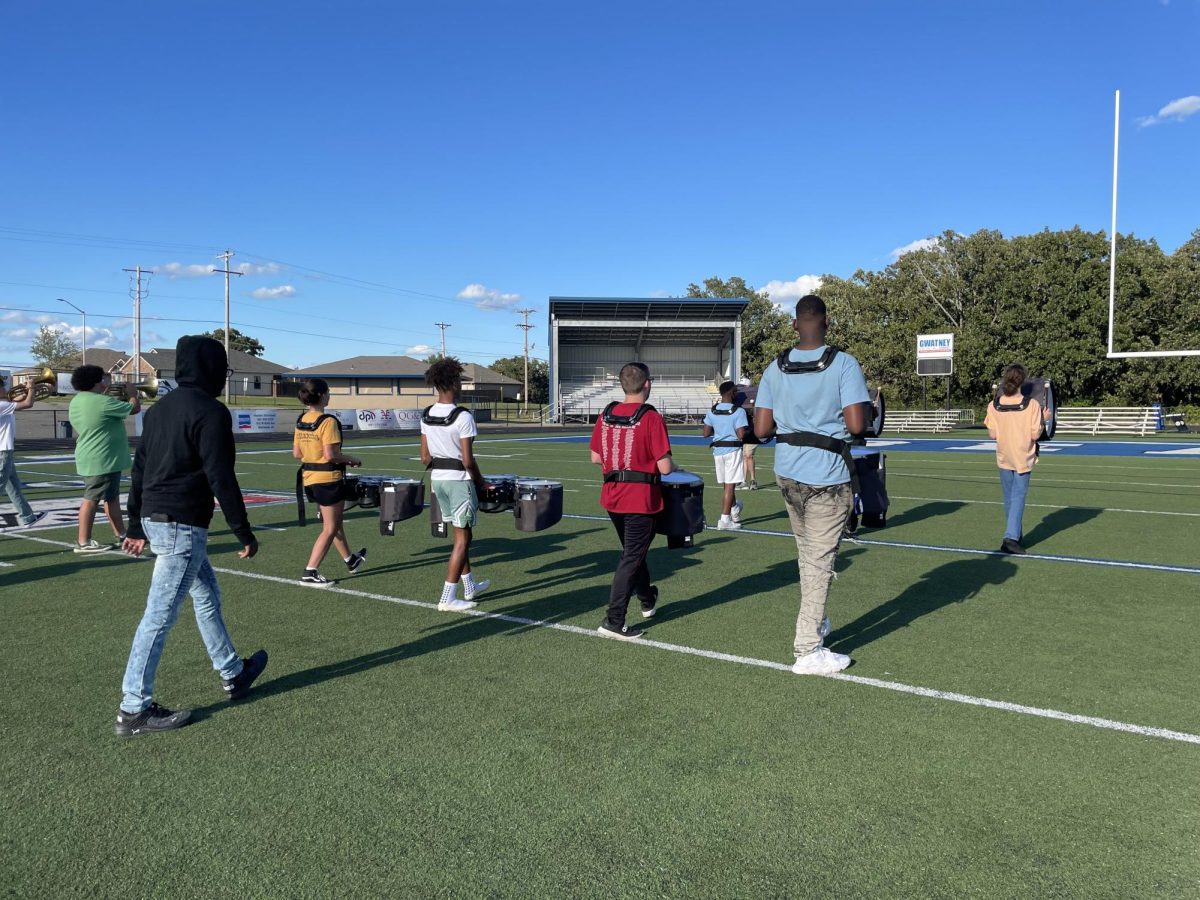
864, 681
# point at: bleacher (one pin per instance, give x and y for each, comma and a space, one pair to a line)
1139, 420
678, 400
935, 420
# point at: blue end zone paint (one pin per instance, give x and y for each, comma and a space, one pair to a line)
1147, 449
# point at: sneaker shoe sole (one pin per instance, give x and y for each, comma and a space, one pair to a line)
618, 636
92, 549
480, 587
317, 584
649, 613
125, 731
445, 607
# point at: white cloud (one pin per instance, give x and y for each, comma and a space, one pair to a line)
274, 293
784, 294
418, 350
660, 295
1175, 111
912, 247
256, 269
175, 270
488, 298
19, 334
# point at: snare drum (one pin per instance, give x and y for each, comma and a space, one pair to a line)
539, 504
399, 499
683, 508
500, 495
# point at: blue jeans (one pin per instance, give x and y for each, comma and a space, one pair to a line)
181, 567
1014, 487
12, 487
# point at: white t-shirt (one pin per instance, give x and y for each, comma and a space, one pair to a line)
444, 440
7, 424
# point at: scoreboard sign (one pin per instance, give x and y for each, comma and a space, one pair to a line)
935, 354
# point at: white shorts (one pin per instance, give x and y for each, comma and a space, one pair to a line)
730, 468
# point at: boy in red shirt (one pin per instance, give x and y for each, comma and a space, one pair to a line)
631, 445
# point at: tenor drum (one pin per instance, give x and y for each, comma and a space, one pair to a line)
350, 491
683, 508
399, 499
539, 504
438, 527
871, 505
500, 494
875, 412
367, 490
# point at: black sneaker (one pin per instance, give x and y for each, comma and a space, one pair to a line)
152, 718
356, 561
624, 633
649, 607
252, 667
1011, 546
37, 517
313, 578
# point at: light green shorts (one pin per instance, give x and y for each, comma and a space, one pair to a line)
458, 502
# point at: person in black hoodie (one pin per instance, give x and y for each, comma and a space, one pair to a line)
185, 457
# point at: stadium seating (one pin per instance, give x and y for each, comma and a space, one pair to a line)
935, 420
1140, 420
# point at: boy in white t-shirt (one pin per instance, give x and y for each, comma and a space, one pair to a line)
447, 435
8, 471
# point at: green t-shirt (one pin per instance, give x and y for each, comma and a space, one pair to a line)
100, 442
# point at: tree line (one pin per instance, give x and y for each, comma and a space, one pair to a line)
1039, 299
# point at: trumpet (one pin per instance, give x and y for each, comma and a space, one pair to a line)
44, 385
149, 388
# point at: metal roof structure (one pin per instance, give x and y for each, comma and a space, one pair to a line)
649, 320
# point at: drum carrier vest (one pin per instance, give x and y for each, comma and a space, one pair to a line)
813, 438
628, 476
441, 462
733, 407
301, 425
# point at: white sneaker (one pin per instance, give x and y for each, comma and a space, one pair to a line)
480, 587
728, 525
821, 661
736, 512
456, 605
742, 487
824, 628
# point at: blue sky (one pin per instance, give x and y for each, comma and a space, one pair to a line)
386, 166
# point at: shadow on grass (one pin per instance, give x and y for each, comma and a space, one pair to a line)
924, 511
1057, 521
72, 564
954, 582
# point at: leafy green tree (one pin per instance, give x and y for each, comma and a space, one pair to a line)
237, 341
539, 375
54, 349
766, 330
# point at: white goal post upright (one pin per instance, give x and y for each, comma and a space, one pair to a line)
1112, 255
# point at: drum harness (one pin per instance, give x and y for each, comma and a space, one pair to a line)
301, 425
733, 407
628, 476
442, 462
813, 438
1024, 404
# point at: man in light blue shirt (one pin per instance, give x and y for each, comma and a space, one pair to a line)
726, 424
811, 399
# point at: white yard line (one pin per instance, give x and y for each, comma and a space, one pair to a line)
892, 473
862, 681
1149, 512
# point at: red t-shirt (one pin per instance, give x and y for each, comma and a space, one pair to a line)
639, 448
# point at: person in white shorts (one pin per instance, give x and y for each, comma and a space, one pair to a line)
447, 434
726, 424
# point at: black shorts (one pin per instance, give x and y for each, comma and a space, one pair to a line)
327, 494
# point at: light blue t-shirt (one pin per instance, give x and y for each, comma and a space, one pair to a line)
812, 401
725, 427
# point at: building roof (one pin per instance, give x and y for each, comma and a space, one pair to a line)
483, 375
102, 357
243, 363
368, 367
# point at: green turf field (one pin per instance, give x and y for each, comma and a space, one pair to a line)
391, 750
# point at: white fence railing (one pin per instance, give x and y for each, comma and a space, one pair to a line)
936, 420
1139, 420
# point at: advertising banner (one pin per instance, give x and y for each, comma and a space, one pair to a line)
407, 419
255, 421
348, 418
935, 354
375, 419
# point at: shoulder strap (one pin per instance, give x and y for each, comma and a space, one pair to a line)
625, 421
438, 421
1025, 398
804, 368
301, 425
724, 412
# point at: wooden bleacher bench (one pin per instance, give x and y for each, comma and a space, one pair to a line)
1139, 420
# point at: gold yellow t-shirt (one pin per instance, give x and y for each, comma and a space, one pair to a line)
312, 445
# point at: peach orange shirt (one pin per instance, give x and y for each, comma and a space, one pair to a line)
1016, 433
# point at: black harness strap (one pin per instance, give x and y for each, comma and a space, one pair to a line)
301, 425
824, 442
725, 412
999, 407
625, 421
629, 476
442, 462
804, 368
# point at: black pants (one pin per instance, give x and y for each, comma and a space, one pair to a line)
635, 532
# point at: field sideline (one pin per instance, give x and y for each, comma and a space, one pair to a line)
1011, 727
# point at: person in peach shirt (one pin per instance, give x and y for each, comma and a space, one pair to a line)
1015, 423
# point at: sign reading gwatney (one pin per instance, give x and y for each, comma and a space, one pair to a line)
935, 354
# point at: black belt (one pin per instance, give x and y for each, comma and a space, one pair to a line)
726, 443
628, 476
445, 463
824, 442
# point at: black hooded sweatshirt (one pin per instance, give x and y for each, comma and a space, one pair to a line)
186, 453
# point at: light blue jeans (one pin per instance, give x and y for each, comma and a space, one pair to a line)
1014, 487
181, 567
12, 487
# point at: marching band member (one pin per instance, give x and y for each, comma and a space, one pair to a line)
1015, 424
447, 438
8, 472
317, 443
631, 445
726, 424
813, 395
101, 451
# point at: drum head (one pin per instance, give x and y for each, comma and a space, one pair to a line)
682, 478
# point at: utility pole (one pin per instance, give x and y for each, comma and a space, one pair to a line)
137, 323
443, 326
526, 327
227, 272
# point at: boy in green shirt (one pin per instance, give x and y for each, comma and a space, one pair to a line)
101, 451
